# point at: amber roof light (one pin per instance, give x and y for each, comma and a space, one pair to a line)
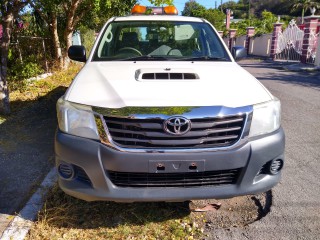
171, 10
168, 10
138, 9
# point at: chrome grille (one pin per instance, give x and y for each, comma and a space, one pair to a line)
149, 133
189, 179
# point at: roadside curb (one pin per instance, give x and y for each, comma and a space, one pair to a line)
301, 68
20, 225
293, 66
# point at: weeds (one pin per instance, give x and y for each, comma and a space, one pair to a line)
69, 218
37, 89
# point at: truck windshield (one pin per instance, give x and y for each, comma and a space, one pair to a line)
160, 41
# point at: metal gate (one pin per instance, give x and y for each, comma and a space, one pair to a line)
290, 43
312, 49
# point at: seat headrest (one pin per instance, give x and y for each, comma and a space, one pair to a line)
130, 37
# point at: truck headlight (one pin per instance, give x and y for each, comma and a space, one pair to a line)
266, 118
76, 119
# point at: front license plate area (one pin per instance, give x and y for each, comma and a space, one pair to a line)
172, 166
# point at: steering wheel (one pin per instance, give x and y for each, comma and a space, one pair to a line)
176, 52
130, 49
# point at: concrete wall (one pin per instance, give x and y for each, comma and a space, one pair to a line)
233, 43
226, 40
261, 46
241, 41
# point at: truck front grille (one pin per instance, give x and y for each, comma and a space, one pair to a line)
189, 179
149, 133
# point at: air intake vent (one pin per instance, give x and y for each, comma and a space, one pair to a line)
188, 179
81, 175
169, 76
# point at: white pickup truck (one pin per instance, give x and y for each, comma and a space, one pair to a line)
162, 112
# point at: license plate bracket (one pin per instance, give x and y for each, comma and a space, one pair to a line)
175, 166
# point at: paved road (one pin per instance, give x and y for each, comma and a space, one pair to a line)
295, 210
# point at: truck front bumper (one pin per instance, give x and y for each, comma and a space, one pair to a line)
93, 162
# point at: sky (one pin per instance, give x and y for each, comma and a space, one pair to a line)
180, 3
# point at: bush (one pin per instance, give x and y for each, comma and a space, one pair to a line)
87, 38
19, 71
262, 25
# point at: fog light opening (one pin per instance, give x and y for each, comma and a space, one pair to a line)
275, 166
66, 171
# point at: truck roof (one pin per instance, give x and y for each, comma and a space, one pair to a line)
158, 18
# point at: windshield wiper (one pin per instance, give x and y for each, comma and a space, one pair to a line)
145, 58
203, 58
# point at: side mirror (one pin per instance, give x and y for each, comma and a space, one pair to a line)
238, 52
77, 53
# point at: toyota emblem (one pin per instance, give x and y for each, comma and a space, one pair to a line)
177, 125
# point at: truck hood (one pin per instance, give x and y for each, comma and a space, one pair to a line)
119, 84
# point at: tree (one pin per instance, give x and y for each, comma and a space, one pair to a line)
73, 13
193, 9
49, 11
9, 10
239, 9
305, 4
215, 17
105, 10
161, 2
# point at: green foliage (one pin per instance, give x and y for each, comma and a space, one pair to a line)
304, 5
161, 2
72, 15
87, 38
18, 74
240, 8
214, 16
262, 25
104, 10
19, 71
193, 9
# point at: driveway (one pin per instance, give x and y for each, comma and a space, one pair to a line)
295, 202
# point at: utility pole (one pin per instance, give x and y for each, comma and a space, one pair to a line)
221, 6
215, 5
249, 12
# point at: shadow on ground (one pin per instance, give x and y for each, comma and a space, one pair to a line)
26, 149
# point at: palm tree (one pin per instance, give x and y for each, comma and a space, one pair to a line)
305, 4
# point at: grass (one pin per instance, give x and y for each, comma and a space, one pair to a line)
32, 91
64, 217
38, 89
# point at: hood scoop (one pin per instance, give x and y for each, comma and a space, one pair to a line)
165, 74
